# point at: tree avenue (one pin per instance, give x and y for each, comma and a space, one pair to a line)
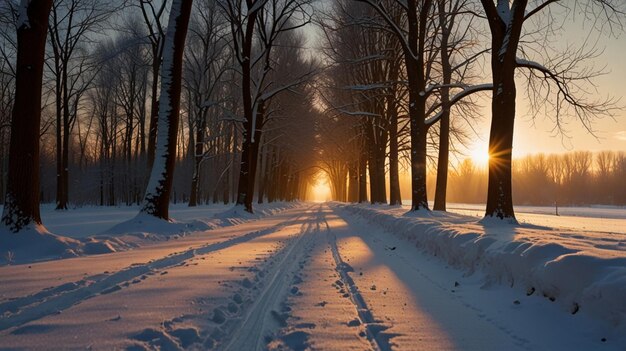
234, 101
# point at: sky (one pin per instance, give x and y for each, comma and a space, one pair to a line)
535, 134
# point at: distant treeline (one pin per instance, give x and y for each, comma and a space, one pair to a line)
575, 178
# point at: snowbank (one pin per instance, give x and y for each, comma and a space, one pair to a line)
148, 227
583, 272
36, 243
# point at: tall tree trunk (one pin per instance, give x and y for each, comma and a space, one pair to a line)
59, 128
249, 159
245, 192
156, 200
63, 199
262, 175
381, 154
499, 191
395, 197
443, 159
353, 181
154, 107
418, 132
444, 122
363, 177
417, 102
199, 151
21, 206
504, 44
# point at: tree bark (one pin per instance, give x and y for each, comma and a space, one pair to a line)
414, 57
154, 107
363, 177
198, 156
504, 44
21, 206
444, 123
499, 190
443, 159
244, 191
156, 200
353, 181
395, 197
249, 158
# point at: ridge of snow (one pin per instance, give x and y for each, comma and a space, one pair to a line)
504, 11
569, 273
35, 243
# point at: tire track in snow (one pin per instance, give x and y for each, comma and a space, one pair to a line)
53, 301
373, 327
251, 328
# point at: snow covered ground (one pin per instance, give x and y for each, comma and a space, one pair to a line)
92, 220
329, 277
596, 218
99, 230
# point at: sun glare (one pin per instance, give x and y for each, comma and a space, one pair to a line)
320, 192
480, 154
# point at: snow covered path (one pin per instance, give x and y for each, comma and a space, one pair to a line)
317, 277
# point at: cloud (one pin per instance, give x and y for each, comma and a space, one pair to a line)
621, 135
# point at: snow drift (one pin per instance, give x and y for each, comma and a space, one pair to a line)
579, 271
36, 243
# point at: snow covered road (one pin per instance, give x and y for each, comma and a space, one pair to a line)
313, 277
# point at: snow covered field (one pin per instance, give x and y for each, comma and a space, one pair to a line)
598, 218
329, 277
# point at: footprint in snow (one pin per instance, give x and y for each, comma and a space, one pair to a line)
354, 323
218, 316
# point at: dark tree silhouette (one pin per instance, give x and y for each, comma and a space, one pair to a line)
21, 206
506, 22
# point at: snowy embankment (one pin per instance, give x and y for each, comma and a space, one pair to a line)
581, 271
116, 230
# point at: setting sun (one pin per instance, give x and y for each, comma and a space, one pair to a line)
479, 154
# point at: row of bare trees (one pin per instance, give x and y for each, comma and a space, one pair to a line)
221, 92
411, 72
576, 178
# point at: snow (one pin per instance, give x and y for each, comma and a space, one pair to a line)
329, 277
100, 230
366, 87
359, 113
595, 219
504, 11
35, 241
576, 269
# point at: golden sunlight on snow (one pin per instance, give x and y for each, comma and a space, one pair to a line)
410, 320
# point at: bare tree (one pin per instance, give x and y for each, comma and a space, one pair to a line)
416, 37
157, 196
507, 21
152, 12
71, 24
208, 61
21, 206
261, 22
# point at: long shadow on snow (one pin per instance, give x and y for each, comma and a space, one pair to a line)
62, 297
